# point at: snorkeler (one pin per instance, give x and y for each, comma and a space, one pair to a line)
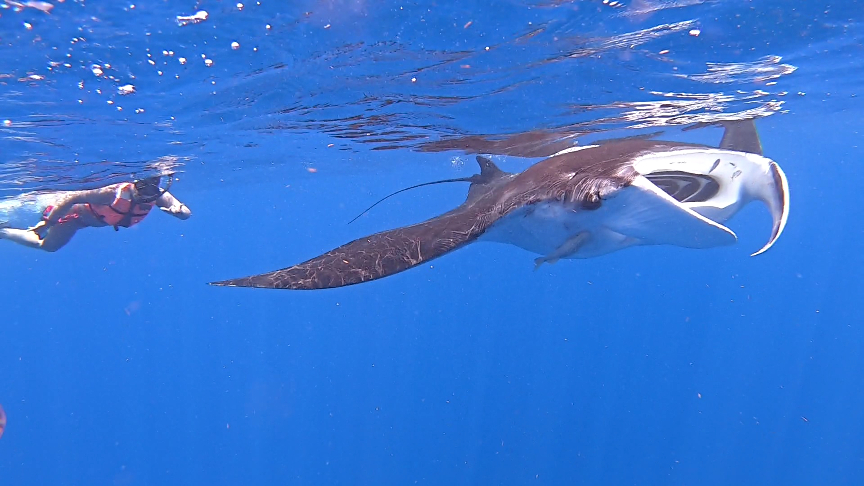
118, 205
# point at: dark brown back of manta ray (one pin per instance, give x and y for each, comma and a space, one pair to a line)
584, 177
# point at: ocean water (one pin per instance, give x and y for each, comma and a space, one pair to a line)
284, 120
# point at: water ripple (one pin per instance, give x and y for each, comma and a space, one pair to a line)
96, 92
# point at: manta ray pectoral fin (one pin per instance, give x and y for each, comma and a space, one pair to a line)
738, 135
375, 256
567, 249
741, 136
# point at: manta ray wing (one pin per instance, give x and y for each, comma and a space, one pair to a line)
376, 256
393, 251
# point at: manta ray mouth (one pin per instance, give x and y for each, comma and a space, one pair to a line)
716, 184
684, 186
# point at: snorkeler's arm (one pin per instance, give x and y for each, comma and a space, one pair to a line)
173, 206
102, 195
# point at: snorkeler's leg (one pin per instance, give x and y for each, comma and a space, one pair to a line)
21, 236
58, 235
55, 238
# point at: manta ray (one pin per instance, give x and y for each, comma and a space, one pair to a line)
582, 202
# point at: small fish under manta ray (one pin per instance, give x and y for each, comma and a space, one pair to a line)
579, 203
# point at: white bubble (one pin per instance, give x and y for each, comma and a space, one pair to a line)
235, 45
126, 89
199, 16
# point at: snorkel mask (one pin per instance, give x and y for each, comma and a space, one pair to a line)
150, 189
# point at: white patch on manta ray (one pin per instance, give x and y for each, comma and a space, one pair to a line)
573, 149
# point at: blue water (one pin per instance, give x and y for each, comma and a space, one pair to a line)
653, 365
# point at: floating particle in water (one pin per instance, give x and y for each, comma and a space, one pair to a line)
239, 6
126, 89
695, 32
97, 69
182, 60
208, 62
28, 26
199, 16
2, 420
235, 45
7, 123
663, 52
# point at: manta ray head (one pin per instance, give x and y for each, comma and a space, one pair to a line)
717, 183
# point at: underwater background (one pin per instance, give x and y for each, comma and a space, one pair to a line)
284, 120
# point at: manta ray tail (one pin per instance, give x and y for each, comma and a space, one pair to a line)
488, 172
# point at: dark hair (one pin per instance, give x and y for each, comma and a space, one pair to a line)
149, 188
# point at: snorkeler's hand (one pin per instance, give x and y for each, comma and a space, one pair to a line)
178, 210
53, 217
183, 212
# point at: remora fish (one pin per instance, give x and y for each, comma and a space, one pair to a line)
579, 203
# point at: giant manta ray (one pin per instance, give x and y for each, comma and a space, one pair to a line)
579, 203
